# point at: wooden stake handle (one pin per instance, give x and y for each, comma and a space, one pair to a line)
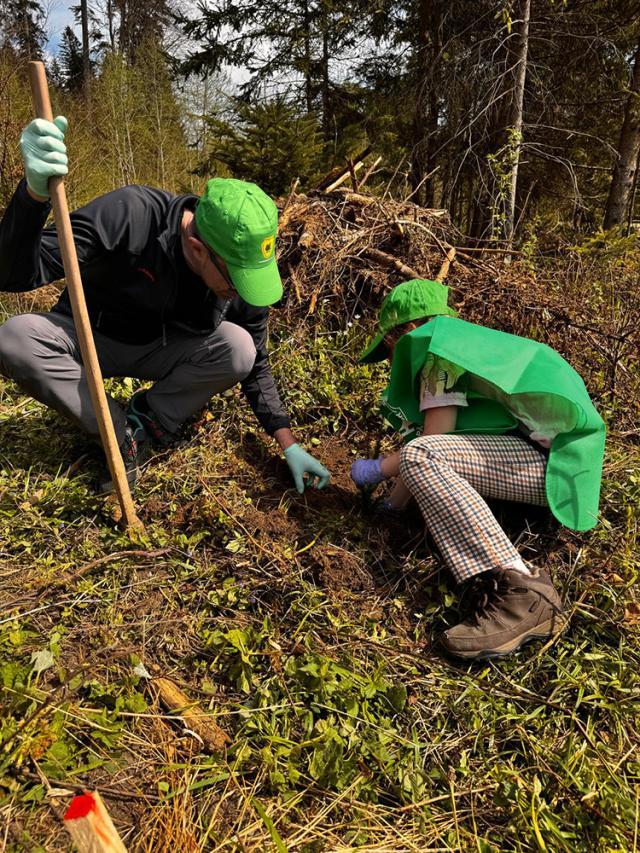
89, 824
42, 104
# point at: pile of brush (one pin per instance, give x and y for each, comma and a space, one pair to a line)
341, 251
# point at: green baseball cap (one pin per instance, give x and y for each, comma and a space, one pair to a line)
239, 222
413, 300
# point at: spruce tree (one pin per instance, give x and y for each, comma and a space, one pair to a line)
71, 61
270, 143
21, 27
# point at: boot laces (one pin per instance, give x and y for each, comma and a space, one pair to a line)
130, 446
491, 591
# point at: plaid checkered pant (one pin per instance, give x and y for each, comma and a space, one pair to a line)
450, 475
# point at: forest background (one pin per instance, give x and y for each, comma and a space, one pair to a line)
509, 128
509, 115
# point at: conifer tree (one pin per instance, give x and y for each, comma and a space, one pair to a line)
71, 61
301, 40
269, 143
21, 27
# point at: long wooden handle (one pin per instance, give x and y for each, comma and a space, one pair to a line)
42, 104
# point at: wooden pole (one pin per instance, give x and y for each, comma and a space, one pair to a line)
42, 104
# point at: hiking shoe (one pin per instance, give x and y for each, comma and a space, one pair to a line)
134, 449
511, 609
140, 414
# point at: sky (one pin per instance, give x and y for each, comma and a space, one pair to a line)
59, 16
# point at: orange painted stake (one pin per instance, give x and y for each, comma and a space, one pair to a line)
90, 826
42, 104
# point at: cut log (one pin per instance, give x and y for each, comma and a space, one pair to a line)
90, 826
194, 718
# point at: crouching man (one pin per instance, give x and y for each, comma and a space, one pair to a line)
485, 414
177, 290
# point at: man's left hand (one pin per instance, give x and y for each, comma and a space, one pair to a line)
300, 463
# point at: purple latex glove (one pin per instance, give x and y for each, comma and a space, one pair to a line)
367, 472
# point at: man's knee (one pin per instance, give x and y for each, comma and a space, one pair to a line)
16, 354
241, 351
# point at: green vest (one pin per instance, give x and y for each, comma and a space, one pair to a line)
515, 366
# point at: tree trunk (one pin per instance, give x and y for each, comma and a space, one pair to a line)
306, 36
622, 180
327, 118
86, 62
514, 137
632, 200
110, 24
425, 117
123, 30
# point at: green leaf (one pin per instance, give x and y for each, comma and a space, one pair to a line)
397, 695
273, 832
41, 661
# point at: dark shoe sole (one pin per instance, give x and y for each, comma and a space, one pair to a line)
544, 631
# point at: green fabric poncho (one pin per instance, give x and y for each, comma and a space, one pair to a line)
515, 366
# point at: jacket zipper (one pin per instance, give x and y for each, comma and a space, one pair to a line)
223, 312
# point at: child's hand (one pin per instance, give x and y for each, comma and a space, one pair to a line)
367, 472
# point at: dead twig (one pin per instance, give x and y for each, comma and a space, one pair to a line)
390, 261
64, 580
335, 177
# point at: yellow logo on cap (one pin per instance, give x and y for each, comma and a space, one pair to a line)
267, 247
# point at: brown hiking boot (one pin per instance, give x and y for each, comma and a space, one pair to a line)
512, 608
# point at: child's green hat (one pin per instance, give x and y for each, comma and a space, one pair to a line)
239, 222
413, 300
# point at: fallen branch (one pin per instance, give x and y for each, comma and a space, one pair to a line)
334, 178
101, 561
370, 171
390, 261
197, 721
77, 787
444, 269
350, 173
286, 207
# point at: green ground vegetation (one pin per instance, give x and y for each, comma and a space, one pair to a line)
306, 627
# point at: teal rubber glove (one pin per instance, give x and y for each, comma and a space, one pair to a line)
300, 462
44, 153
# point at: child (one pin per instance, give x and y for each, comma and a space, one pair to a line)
485, 414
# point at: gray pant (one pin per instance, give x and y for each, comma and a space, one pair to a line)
40, 352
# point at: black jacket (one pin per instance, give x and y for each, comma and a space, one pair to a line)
134, 274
